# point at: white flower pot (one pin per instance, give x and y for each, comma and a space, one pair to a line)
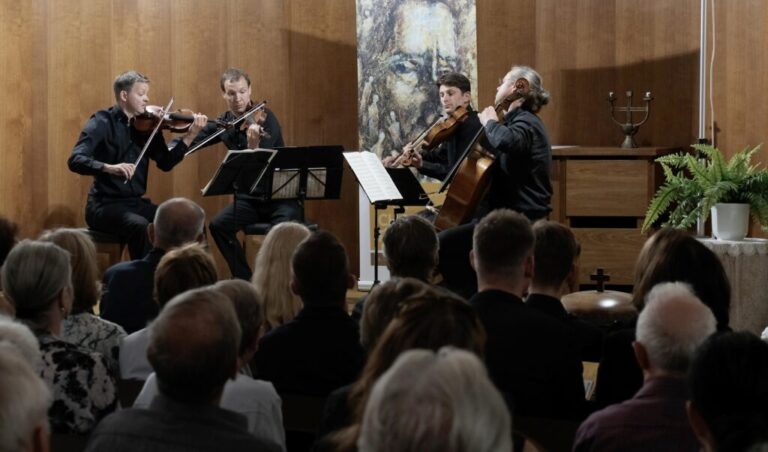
730, 221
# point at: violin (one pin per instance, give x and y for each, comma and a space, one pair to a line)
258, 117
178, 121
439, 131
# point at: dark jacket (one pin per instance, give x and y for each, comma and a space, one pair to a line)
589, 336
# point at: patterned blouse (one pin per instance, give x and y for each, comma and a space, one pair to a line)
95, 334
83, 386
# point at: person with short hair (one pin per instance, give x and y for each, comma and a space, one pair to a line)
728, 382
530, 356
127, 287
556, 273
457, 407
272, 273
108, 148
37, 280
257, 400
23, 405
82, 327
669, 330
263, 133
187, 267
193, 348
319, 350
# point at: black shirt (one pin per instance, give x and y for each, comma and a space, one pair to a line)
438, 162
108, 138
237, 139
524, 157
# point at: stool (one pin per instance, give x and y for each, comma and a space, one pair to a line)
254, 237
109, 248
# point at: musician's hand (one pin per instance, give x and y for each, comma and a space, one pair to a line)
389, 160
486, 115
123, 170
198, 124
416, 160
254, 136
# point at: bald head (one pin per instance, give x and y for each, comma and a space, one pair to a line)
177, 221
193, 346
672, 325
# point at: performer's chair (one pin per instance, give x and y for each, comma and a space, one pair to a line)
109, 248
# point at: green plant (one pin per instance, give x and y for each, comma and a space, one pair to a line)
693, 185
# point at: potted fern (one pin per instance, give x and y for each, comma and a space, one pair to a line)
694, 187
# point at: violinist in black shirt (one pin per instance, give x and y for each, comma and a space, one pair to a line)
263, 132
107, 149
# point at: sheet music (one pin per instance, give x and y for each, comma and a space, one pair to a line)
372, 176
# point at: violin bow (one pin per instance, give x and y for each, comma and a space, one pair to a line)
229, 125
149, 140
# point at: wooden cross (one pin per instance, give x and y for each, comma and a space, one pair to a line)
600, 277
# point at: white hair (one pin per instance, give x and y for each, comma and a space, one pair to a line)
672, 325
21, 337
431, 401
24, 400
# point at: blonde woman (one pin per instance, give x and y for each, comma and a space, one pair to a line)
272, 274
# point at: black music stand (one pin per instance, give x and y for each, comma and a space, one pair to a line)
301, 173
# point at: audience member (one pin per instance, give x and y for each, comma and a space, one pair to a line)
8, 238
556, 273
669, 329
127, 287
193, 348
24, 402
411, 250
728, 382
429, 319
384, 303
82, 327
21, 337
319, 350
272, 273
530, 356
431, 401
255, 399
37, 280
179, 270
669, 255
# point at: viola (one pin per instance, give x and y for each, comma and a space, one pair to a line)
178, 121
439, 131
258, 117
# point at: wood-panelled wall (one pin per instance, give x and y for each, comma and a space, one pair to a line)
59, 59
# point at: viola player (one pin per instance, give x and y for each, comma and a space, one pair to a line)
107, 149
262, 133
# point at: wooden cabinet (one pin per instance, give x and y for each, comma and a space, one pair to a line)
602, 193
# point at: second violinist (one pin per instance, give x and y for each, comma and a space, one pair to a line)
455, 91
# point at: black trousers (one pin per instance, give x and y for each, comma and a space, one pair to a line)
126, 218
455, 245
227, 222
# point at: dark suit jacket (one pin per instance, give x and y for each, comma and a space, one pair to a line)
315, 353
531, 358
126, 294
589, 336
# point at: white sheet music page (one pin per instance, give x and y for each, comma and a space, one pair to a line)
372, 176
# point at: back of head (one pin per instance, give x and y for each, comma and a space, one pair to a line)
410, 245
85, 271
454, 79
382, 305
21, 337
24, 401
431, 401
554, 253
182, 269
34, 275
193, 346
8, 233
248, 307
672, 325
272, 272
728, 381
538, 96
675, 255
501, 242
178, 221
321, 270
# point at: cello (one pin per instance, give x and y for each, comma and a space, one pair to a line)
470, 177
